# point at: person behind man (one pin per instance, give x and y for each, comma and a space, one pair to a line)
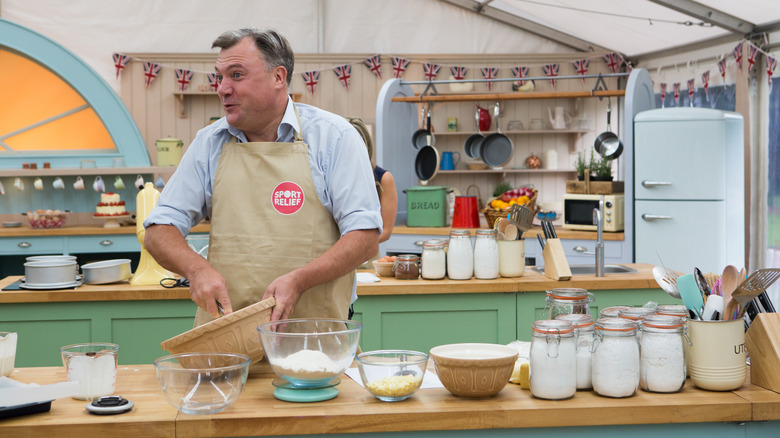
288, 189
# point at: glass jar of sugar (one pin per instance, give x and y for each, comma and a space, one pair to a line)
615, 358
584, 328
460, 256
563, 301
486, 255
662, 365
434, 260
553, 360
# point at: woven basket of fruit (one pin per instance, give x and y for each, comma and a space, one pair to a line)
499, 207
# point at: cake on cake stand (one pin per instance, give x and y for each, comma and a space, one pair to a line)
112, 221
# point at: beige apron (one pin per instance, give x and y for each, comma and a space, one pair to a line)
267, 220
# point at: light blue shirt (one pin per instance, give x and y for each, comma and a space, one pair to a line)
338, 159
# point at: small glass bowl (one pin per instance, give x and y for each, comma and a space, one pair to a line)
392, 375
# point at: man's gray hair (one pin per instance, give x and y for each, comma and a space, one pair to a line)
275, 48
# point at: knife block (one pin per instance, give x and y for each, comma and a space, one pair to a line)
555, 265
763, 345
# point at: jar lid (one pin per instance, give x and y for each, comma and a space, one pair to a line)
616, 326
408, 257
578, 320
569, 294
553, 327
635, 313
672, 310
486, 232
612, 311
662, 322
460, 233
433, 244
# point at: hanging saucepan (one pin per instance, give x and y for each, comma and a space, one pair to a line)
497, 148
424, 136
474, 141
426, 165
607, 144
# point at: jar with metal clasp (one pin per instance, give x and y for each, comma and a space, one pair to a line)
612, 311
434, 260
615, 358
680, 311
553, 360
636, 314
562, 301
460, 255
662, 365
405, 267
584, 328
486, 255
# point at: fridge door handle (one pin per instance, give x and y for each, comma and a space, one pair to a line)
649, 184
656, 217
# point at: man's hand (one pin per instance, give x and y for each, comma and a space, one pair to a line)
287, 291
207, 288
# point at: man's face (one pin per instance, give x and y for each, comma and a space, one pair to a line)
248, 92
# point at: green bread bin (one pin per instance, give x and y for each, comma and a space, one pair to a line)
426, 206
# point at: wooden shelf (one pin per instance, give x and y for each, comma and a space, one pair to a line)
523, 132
508, 96
180, 95
67, 171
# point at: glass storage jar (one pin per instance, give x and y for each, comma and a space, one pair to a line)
434, 260
406, 268
584, 327
662, 364
612, 312
460, 256
680, 311
553, 360
562, 301
486, 255
636, 314
615, 358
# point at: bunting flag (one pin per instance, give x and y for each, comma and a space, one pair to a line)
311, 78
581, 66
459, 73
489, 73
183, 78
399, 66
771, 64
344, 73
520, 73
705, 79
212, 77
551, 71
722, 68
120, 61
151, 70
752, 52
431, 70
612, 62
676, 87
374, 64
738, 54
691, 89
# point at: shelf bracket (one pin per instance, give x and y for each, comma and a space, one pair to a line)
430, 86
180, 104
600, 86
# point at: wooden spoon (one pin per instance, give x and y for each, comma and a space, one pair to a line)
728, 282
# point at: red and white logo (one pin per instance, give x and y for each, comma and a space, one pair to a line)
287, 198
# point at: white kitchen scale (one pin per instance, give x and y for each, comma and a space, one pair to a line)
308, 393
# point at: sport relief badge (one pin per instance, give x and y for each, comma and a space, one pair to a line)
287, 198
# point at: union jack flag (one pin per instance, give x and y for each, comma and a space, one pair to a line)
581, 66
551, 70
752, 52
375, 65
151, 70
212, 77
120, 61
676, 87
612, 60
722, 68
691, 89
489, 73
738, 54
663, 93
183, 77
431, 70
459, 73
519, 73
344, 73
311, 78
705, 79
399, 65
771, 64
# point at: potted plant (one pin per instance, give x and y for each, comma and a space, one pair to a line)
581, 166
602, 170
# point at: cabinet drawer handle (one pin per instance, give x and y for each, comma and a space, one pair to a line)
106, 243
656, 217
580, 249
24, 244
650, 184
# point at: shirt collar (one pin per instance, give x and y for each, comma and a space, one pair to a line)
285, 131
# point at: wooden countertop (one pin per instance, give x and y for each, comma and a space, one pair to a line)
79, 230
258, 413
530, 234
529, 282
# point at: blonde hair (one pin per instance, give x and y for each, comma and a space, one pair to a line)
362, 129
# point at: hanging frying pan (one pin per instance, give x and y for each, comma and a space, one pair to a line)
471, 147
426, 165
424, 136
496, 149
607, 144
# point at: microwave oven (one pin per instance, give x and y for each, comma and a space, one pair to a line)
578, 211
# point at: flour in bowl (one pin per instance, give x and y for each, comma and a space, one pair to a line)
308, 365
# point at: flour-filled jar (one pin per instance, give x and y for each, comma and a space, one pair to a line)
680, 311
553, 360
460, 256
562, 301
636, 314
584, 328
486, 255
615, 358
434, 260
662, 364
612, 311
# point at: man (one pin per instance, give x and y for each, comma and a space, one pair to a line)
288, 189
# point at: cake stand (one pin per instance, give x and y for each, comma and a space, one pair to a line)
112, 221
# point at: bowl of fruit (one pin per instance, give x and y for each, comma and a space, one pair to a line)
501, 205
